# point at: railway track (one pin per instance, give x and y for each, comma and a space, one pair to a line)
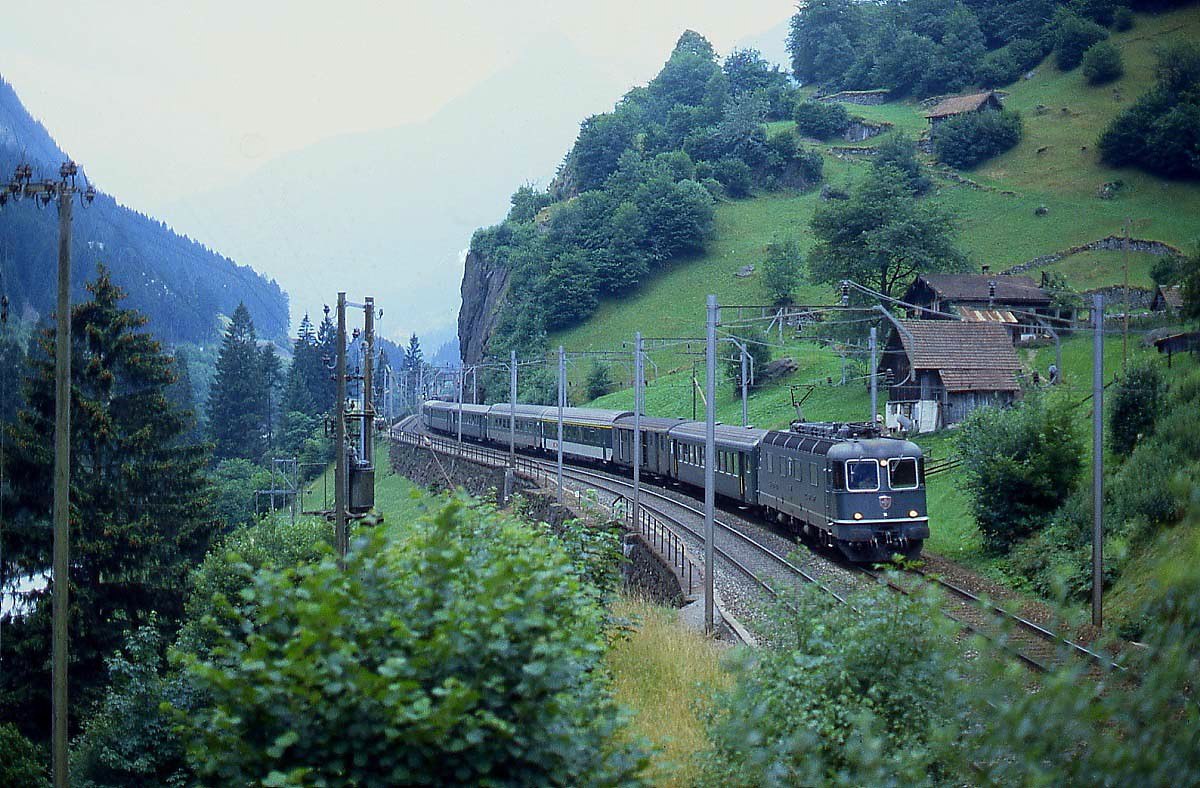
769, 570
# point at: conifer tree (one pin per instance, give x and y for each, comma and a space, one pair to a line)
414, 359
140, 503
237, 404
272, 379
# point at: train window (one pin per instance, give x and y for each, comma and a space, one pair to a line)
862, 475
813, 473
902, 473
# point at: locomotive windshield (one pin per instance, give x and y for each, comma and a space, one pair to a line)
902, 473
862, 475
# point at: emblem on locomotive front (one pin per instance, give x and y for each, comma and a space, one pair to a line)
885, 502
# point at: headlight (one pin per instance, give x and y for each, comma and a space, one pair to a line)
912, 512
858, 515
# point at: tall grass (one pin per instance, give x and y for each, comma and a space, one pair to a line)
659, 673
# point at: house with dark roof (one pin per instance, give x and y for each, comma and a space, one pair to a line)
938, 371
1167, 298
1014, 301
961, 105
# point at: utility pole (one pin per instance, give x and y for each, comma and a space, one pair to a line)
462, 375
64, 190
874, 382
745, 384
341, 537
638, 376
512, 401
710, 449
1125, 331
368, 383
1098, 461
562, 403
695, 383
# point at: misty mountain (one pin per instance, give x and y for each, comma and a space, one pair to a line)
181, 285
389, 213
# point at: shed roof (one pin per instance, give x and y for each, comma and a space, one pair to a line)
977, 287
956, 105
1172, 296
967, 356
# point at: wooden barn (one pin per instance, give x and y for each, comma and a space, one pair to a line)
962, 105
941, 370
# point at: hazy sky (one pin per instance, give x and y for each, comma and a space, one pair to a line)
164, 99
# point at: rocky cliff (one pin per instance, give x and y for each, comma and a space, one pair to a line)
484, 287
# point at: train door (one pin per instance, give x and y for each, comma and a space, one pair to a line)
740, 470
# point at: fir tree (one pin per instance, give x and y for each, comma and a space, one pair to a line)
140, 505
414, 359
237, 404
272, 379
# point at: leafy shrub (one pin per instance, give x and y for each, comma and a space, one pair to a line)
1122, 19
820, 119
735, 176
1102, 63
1136, 403
969, 139
129, 739
843, 699
23, 762
467, 653
781, 269
1073, 36
1161, 131
899, 152
599, 380
1019, 463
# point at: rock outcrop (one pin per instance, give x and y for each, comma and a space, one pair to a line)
484, 287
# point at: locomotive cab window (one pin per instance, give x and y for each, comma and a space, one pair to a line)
862, 475
902, 473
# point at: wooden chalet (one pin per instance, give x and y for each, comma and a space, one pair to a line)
962, 105
941, 370
1014, 301
1167, 298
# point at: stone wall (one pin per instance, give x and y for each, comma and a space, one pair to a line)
860, 97
1112, 242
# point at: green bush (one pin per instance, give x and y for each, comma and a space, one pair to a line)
23, 764
1019, 464
1102, 63
735, 176
130, 739
599, 381
1123, 19
844, 698
467, 653
1073, 36
1161, 131
967, 140
821, 120
1136, 403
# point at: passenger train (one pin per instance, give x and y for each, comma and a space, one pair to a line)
841, 484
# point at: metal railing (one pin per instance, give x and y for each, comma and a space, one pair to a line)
658, 535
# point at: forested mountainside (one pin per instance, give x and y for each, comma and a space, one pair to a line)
181, 285
643, 192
